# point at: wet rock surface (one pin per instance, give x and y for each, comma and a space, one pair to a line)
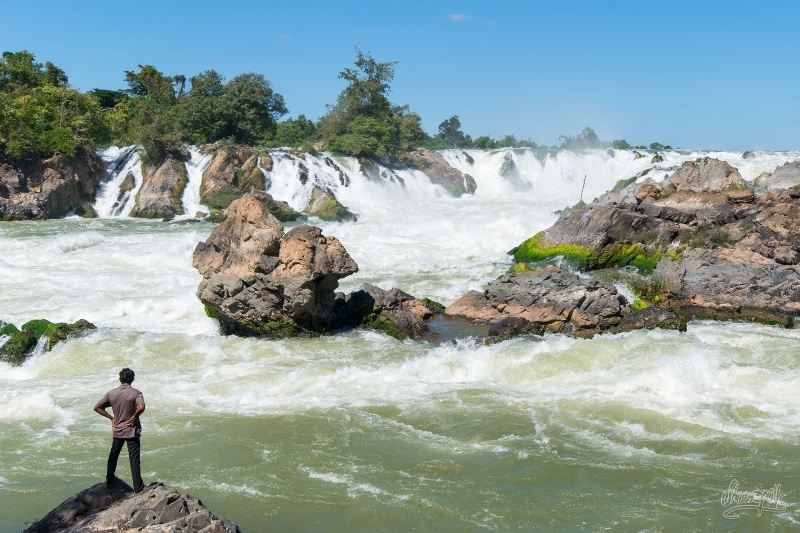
555, 299
49, 188
116, 509
259, 281
706, 238
161, 192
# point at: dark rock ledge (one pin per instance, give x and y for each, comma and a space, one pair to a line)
116, 509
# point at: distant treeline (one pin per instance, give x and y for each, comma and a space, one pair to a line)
42, 114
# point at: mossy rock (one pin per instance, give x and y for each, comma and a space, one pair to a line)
436, 306
86, 211
223, 198
7, 329
277, 329
18, 347
383, 324
520, 267
582, 257
567, 210
127, 185
217, 216
21, 343
332, 210
621, 184
537, 248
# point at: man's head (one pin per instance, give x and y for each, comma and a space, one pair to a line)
126, 376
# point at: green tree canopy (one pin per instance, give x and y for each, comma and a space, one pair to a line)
245, 109
364, 122
40, 114
450, 132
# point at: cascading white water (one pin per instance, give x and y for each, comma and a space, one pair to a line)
195, 168
120, 163
553, 177
358, 431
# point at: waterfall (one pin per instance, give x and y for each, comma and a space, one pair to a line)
553, 176
122, 180
195, 168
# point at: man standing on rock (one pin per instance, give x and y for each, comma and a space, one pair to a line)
127, 404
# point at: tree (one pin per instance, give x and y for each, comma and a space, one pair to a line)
148, 116
41, 114
620, 144
293, 132
450, 132
484, 142
364, 122
245, 109
585, 139
252, 108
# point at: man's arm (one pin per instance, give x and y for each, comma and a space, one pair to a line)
132, 420
101, 411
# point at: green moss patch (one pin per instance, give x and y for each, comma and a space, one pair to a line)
582, 257
538, 249
222, 198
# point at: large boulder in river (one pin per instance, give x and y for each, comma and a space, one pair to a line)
325, 206
394, 312
116, 509
738, 281
784, 177
233, 172
433, 165
162, 190
20, 343
49, 188
556, 299
259, 281
706, 174
713, 250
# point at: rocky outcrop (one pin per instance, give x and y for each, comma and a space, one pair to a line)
714, 249
433, 165
733, 280
393, 312
116, 509
555, 299
49, 188
640, 223
161, 192
233, 172
325, 206
21, 342
259, 281
785, 176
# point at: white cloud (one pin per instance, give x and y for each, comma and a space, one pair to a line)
284, 37
457, 17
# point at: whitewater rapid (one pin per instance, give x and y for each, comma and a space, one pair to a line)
359, 431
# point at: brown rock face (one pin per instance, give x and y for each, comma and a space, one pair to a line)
394, 312
439, 171
706, 175
258, 281
232, 173
784, 177
720, 253
49, 188
732, 279
161, 192
551, 297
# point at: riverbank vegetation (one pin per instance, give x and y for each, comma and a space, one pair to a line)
42, 114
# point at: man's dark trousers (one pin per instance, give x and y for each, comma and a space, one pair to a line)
133, 455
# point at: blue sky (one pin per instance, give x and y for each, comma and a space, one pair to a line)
702, 74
